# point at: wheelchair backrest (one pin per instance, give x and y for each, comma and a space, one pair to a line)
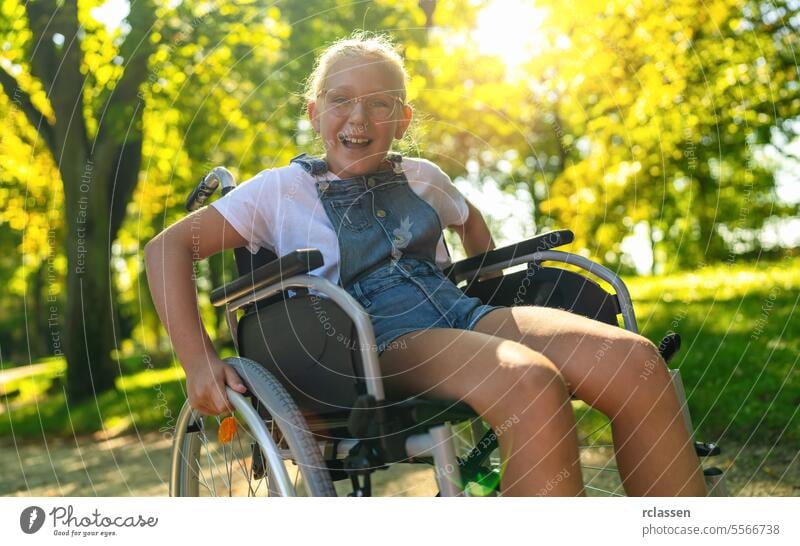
246, 262
549, 287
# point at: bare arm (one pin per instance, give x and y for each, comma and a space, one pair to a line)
169, 259
475, 236
474, 233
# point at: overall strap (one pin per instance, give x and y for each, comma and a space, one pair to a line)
315, 166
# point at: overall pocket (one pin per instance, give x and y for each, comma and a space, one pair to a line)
366, 290
350, 214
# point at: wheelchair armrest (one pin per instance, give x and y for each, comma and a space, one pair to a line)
508, 254
295, 263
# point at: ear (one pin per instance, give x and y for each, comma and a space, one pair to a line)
313, 115
404, 122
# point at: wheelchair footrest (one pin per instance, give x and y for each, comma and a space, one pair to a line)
705, 449
715, 482
364, 458
361, 489
670, 345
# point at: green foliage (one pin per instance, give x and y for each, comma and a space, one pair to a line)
632, 113
622, 114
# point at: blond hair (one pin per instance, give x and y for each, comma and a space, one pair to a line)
360, 44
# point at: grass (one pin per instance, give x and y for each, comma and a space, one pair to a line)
741, 341
739, 363
144, 401
28, 388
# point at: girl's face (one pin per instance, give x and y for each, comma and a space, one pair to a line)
359, 113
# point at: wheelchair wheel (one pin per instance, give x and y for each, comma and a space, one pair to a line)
598, 461
242, 454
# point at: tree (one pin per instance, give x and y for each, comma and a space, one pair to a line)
93, 96
97, 157
630, 114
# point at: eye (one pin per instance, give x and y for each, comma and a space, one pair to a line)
380, 103
340, 99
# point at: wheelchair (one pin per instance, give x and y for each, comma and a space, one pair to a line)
315, 397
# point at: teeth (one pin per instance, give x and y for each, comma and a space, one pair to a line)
354, 140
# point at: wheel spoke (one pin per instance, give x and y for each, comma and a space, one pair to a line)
598, 429
204, 441
212, 464
243, 466
600, 468
610, 493
201, 476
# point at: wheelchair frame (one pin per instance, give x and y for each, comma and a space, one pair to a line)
437, 443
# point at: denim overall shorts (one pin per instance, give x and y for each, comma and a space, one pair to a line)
387, 238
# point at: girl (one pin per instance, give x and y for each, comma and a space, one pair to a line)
378, 220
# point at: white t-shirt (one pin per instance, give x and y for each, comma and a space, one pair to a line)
279, 209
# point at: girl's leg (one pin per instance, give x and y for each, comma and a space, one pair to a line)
506, 383
622, 375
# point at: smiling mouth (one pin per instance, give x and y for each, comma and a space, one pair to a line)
354, 142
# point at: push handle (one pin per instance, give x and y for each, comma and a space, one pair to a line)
219, 176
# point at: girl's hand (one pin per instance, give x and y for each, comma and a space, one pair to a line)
205, 385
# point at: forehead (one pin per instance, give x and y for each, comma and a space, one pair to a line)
363, 75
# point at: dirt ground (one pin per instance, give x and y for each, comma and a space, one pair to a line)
133, 465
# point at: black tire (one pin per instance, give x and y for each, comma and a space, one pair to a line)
201, 465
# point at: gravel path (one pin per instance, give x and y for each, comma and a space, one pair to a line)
131, 465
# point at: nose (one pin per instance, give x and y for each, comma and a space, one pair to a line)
359, 113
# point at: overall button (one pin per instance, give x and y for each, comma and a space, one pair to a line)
371, 182
380, 213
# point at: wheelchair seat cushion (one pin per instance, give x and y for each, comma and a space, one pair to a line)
411, 294
309, 344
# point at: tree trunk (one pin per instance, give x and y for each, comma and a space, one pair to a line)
37, 336
711, 245
89, 316
99, 174
88, 328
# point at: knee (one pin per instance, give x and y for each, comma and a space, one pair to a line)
643, 363
531, 382
541, 382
